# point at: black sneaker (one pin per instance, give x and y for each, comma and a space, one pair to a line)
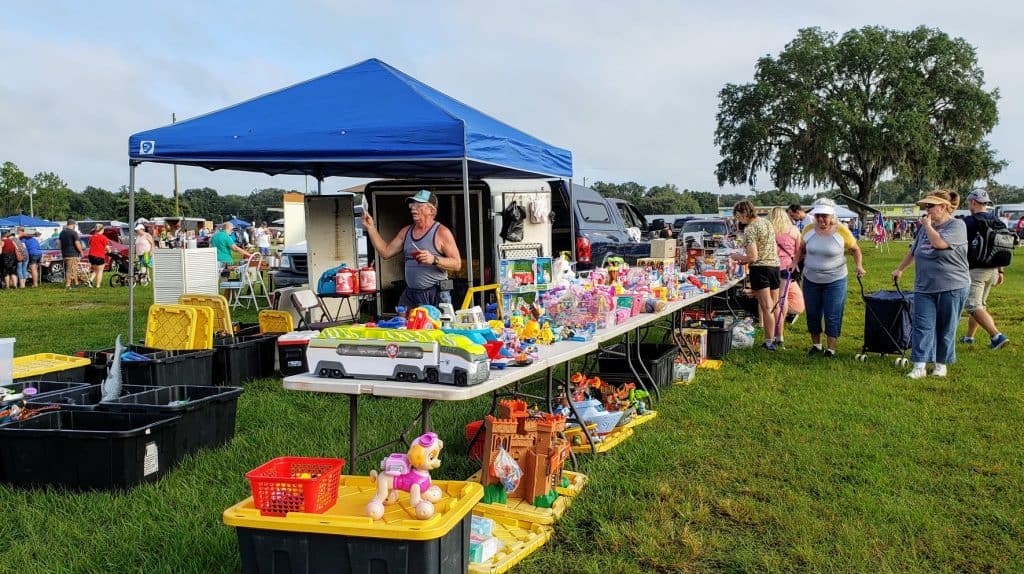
813, 351
768, 346
830, 354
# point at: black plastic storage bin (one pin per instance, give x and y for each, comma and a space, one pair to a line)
99, 361
43, 388
719, 337
88, 450
169, 368
83, 398
276, 552
72, 375
207, 413
267, 352
237, 360
657, 357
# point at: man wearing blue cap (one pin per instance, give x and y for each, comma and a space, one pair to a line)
429, 249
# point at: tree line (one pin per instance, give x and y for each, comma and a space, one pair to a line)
52, 199
669, 199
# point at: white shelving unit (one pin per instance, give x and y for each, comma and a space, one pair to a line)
178, 271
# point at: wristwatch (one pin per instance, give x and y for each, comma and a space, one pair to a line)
435, 263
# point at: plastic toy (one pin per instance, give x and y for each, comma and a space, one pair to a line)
410, 473
470, 323
375, 353
536, 446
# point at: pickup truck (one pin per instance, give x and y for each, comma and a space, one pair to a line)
293, 269
601, 227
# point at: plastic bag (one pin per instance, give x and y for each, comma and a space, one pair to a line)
743, 334
506, 469
512, 223
539, 210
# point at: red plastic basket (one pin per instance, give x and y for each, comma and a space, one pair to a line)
295, 484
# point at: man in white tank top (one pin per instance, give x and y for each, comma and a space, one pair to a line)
429, 248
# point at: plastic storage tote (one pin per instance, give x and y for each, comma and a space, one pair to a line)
169, 368
82, 398
344, 539
207, 413
6, 360
658, 359
99, 361
43, 389
50, 367
88, 450
240, 359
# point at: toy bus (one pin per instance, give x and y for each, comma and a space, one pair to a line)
428, 355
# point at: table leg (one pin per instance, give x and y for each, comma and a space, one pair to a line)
643, 367
425, 415
573, 414
353, 432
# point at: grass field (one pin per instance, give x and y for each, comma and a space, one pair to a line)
775, 463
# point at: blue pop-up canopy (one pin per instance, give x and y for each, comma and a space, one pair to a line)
239, 222
26, 221
367, 120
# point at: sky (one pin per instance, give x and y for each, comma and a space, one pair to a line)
629, 87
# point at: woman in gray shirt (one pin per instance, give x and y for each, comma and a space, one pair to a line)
941, 283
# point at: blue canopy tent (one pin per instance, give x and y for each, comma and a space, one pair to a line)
239, 223
27, 221
366, 120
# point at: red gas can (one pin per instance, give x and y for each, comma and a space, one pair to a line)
346, 281
367, 280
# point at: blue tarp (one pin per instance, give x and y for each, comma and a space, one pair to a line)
367, 120
26, 221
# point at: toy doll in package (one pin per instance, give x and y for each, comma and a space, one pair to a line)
506, 469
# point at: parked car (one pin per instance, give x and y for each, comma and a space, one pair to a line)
52, 266
601, 227
677, 225
714, 227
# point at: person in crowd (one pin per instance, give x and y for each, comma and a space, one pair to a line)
942, 282
787, 242
143, 246
983, 278
9, 260
666, 231
762, 256
35, 255
1020, 227
22, 252
897, 230
225, 244
799, 217
823, 253
71, 250
99, 246
263, 239
429, 250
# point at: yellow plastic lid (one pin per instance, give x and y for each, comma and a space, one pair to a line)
42, 363
348, 517
520, 538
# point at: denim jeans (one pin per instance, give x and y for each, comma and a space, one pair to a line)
935, 319
826, 300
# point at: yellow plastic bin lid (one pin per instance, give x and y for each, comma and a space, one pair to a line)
221, 311
348, 517
204, 327
43, 363
518, 509
171, 327
272, 321
520, 538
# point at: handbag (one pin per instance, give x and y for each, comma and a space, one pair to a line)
512, 223
795, 298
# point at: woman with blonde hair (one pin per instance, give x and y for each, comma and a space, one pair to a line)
761, 254
823, 252
787, 242
942, 282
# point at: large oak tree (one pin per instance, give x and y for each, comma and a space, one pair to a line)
850, 111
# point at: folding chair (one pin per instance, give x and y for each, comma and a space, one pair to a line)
306, 302
243, 290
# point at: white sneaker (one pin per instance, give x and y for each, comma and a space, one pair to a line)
939, 370
918, 372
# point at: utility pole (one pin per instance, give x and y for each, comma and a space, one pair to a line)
177, 210
31, 194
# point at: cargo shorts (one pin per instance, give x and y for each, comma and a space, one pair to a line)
982, 281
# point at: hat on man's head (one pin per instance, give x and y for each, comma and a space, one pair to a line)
980, 195
423, 196
71, 221
140, 227
823, 209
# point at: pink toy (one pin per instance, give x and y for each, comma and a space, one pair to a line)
410, 473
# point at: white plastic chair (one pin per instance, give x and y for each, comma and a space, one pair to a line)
243, 289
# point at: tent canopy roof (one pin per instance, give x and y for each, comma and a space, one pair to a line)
366, 120
27, 221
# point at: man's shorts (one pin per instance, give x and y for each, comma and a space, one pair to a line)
982, 281
764, 278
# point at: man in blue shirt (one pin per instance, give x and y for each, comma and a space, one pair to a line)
35, 255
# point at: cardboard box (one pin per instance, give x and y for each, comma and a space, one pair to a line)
663, 248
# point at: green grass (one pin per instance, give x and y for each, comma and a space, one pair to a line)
775, 463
